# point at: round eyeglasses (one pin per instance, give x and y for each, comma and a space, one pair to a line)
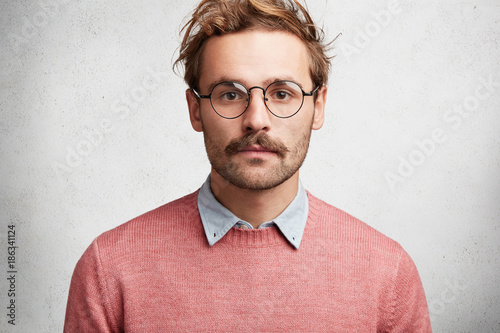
282, 98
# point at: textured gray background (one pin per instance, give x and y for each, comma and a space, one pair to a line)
69, 71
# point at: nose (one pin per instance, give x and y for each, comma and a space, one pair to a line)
256, 118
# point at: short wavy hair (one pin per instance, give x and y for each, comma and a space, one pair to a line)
219, 17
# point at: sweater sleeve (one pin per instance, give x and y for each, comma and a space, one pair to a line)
407, 305
88, 308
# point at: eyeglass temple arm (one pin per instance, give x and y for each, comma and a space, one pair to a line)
311, 93
200, 96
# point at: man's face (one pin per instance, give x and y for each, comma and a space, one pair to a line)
257, 150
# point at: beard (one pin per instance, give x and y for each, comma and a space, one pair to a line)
252, 174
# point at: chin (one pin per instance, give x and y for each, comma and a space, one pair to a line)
256, 181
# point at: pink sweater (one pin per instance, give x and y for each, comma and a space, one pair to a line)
157, 273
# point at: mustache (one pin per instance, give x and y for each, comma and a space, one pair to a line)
251, 139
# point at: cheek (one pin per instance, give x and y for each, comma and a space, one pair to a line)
297, 125
299, 132
217, 134
212, 123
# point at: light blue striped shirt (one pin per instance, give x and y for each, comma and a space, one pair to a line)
217, 219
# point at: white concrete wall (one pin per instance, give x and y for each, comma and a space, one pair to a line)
70, 69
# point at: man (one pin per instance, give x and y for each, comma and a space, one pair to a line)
251, 250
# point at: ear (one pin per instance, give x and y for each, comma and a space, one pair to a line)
194, 110
319, 108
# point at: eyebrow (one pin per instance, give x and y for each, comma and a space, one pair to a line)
217, 81
281, 78
266, 83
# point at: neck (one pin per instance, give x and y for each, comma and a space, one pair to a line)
255, 207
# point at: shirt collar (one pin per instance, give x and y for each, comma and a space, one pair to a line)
217, 219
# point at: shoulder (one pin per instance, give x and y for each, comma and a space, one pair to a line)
118, 255
356, 244
160, 225
343, 228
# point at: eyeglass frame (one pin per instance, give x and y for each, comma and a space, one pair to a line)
209, 96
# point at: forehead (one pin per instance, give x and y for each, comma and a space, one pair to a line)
254, 57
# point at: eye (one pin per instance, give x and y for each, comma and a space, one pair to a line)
284, 92
229, 92
282, 95
230, 96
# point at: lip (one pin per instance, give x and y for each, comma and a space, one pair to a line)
256, 151
257, 148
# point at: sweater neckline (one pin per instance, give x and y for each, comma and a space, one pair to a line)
218, 220
266, 237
